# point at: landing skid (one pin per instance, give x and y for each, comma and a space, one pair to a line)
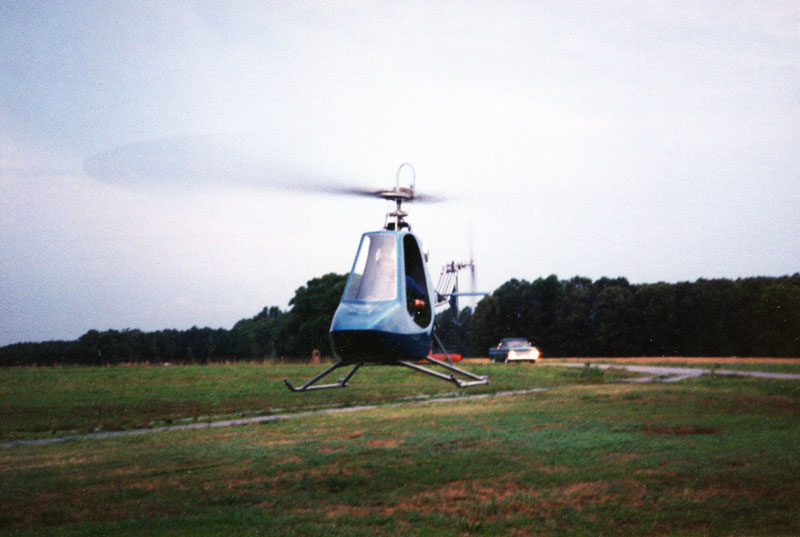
476, 380
308, 386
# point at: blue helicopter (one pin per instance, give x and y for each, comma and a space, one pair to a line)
386, 314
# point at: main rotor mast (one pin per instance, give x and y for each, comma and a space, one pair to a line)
396, 220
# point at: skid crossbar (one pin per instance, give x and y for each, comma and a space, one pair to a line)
308, 386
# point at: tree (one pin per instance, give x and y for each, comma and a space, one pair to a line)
572, 325
309, 320
778, 316
259, 336
612, 320
541, 300
657, 331
454, 331
485, 326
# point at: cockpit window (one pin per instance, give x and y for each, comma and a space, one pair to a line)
416, 283
374, 274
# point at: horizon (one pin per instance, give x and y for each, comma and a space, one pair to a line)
471, 307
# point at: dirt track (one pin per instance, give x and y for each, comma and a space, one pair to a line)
667, 359
685, 359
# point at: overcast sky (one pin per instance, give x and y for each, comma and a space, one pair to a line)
659, 141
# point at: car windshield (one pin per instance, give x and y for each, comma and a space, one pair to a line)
515, 343
374, 274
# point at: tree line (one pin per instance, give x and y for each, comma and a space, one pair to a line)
576, 317
272, 333
612, 317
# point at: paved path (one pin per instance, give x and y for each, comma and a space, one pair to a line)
272, 417
675, 374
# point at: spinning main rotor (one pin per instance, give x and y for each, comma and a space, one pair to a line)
399, 194
394, 327
203, 161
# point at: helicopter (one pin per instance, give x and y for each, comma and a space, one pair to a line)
387, 311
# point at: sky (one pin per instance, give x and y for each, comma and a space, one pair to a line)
146, 147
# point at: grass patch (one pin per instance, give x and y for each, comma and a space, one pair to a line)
707, 456
44, 402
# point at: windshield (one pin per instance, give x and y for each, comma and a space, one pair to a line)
374, 274
515, 343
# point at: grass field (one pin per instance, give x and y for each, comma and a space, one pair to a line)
590, 456
46, 402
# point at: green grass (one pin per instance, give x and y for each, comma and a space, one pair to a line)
711, 456
45, 402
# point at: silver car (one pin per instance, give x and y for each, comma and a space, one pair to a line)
513, 349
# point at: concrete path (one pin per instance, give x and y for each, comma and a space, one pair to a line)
675, 374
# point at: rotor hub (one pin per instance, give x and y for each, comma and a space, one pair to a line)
396, 220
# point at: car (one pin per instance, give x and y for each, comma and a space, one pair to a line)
513, 349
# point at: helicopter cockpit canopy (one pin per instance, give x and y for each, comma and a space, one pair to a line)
389, 267
374, 274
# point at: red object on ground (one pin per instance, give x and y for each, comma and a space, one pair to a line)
440, 356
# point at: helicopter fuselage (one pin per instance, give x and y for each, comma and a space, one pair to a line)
387, 309
386, 312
